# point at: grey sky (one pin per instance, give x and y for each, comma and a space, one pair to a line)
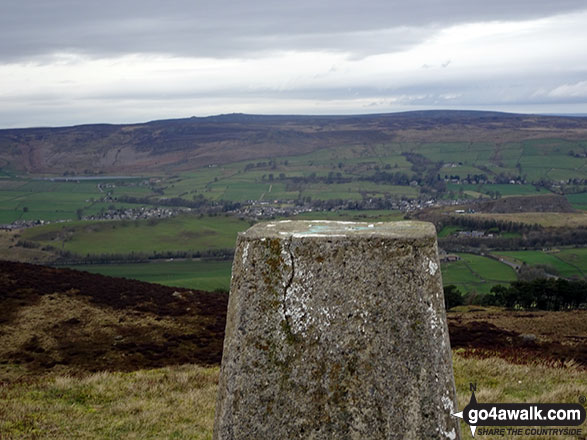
64, 62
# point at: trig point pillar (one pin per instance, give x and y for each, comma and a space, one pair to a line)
336, 330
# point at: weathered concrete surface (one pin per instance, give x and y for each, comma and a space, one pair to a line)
336, 330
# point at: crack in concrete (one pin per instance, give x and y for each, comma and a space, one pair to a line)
289, 283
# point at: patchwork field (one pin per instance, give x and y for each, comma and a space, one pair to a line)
93, 357
471, 273
204, 274
547, 219
182, 233
503, 189
35, 199
251, 180
570, 263
476, 273
143, 237
274, 178
340, 172
198, 234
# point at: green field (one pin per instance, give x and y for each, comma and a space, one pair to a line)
182, 233
476, 273
197, 274
170, 234
532, 159
570, 263
33, 199
194, 274
448, 231
576, 257
503, 189
579, 200
195, 234
272, 179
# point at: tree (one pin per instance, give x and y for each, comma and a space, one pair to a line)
532, 272
452, 297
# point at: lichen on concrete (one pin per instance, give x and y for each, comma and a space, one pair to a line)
336, 330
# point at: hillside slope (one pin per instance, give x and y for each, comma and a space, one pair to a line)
76, 321
175, 145
73, 322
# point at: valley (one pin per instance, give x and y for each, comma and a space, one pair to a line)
119, 332
406, 183
174, 211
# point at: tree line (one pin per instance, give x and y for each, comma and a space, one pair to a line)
68, 257
542, 294
534, 239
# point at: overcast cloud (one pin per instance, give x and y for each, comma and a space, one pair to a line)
65, 62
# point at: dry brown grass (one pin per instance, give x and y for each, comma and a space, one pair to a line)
68, 321
9, 251
174, 402
55, 323
566, 327
499, 381
178, 402
547, 219
68, 401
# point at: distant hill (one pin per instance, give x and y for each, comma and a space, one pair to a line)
180, 144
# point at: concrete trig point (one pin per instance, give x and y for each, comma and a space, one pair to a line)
336, 330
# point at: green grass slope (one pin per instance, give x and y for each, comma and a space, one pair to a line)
182, 233
476, 273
